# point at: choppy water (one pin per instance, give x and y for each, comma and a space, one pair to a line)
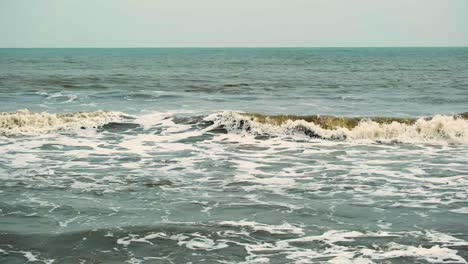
148, 156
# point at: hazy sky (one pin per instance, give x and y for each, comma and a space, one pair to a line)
232, 23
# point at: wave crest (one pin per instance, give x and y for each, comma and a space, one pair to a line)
437, 129
25, 121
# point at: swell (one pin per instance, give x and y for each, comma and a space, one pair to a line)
436, 129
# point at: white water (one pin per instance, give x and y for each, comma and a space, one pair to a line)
27, 122
438, 129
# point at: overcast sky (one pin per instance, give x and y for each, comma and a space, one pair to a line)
232, 23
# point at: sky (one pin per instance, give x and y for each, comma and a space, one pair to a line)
233, 23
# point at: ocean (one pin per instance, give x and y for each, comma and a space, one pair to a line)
234, 155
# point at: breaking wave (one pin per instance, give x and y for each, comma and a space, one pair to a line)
27, 122
436, 129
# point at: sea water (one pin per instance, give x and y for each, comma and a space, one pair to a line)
220, 155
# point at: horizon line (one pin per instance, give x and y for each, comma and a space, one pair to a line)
234, 47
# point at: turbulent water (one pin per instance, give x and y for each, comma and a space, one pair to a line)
234, 155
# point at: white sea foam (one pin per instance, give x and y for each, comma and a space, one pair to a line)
438, 129
433, 254
284, 228
339, 252
193, 241
27, 122
463, 210
28, 255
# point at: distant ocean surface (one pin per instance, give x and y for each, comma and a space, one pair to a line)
258, 155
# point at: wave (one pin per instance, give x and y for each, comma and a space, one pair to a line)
27, 122
436, 129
